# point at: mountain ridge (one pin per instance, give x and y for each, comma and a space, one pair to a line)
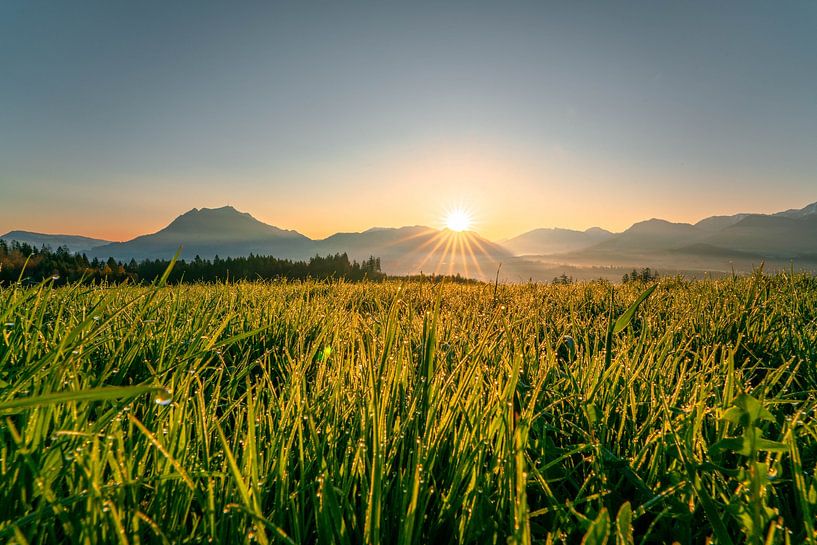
74, 243
228, 232
555, 240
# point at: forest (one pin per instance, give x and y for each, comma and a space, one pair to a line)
28, 264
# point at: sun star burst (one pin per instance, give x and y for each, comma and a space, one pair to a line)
458, 220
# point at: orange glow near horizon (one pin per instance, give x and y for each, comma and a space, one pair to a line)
509, 190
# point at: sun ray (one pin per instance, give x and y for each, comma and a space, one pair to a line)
440, 239
473, 256
463, 243
455, 249
445, 252
452, 258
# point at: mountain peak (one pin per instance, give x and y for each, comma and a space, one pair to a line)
799, 212
658, 224
226, 210
555, 240
222, 220
206, 232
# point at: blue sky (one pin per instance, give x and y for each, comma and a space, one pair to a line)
324, 117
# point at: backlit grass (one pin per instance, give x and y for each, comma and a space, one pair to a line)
410, 413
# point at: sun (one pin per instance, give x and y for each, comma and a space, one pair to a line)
458, 219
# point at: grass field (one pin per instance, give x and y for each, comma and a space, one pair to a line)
410, 413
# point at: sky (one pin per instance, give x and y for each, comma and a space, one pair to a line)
115, 117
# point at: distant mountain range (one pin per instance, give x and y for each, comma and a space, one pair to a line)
713, 244
555, 240
226, 232
790, 235
73, 243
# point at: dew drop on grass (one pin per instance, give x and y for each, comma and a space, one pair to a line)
163, 397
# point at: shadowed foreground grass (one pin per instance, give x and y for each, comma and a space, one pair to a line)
409, 414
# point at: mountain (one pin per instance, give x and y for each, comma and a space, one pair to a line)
226, 232
410, 250
777, 236
784, 235
799, 212
74, 243
208, 232
716, 223
707, 250
652, 235
714, 244
554, 241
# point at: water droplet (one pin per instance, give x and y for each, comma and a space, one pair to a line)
163, 397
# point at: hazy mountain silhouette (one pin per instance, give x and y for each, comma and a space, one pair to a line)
716, 243
409, 250
716, 223
799, 212
208, 232
651, 235
73, 243
555, 240
226, 232
777, 236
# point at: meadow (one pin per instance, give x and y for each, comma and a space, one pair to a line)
410, 413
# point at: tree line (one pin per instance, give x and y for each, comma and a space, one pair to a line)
20, 261
644, 275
